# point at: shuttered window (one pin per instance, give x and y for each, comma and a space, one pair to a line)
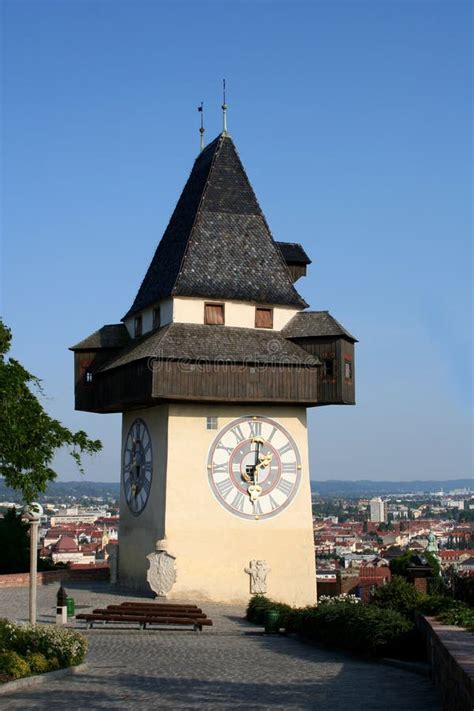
214, 314
263, 318
156, 317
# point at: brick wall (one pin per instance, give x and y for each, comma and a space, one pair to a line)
21, 580
451, 656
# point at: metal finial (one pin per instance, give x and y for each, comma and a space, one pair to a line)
224, 110
202, 129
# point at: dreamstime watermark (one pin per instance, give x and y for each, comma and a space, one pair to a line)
274, 356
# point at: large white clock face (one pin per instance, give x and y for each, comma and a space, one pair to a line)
137, 468
254, 468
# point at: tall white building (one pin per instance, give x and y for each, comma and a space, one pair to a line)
378, 510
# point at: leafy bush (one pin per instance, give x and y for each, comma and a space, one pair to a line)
12, 665
359, 628
259, 604
460, 615
40, 647
38, 663
336, 599
399, 595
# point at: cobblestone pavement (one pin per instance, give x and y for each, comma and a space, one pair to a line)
229, 666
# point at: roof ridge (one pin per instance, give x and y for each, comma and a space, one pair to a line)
280, 255
218, 142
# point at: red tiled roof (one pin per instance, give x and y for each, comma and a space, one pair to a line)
66, 544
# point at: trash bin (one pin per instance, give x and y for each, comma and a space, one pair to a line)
271, 620
71, 607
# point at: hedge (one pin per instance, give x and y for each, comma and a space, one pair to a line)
360, 628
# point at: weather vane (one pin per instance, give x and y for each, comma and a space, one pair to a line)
224, 110
202, 129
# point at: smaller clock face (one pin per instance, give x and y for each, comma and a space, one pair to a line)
137, 468
254, 468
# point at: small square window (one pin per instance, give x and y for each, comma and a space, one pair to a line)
214, 314
347, 370
156, 317
88, 376
263, 318
138, 326
211, 423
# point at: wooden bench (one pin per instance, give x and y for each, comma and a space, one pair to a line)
148, 614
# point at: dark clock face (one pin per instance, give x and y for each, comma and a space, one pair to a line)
137, 469
254, 468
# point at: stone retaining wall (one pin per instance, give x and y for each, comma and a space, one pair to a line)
451, 656
21, 580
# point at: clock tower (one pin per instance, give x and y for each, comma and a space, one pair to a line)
214, 367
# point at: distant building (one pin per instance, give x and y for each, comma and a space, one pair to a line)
77, 515
378, 510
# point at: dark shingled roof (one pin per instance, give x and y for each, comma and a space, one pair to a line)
218, 244
193, 342
293, 253
307, 324
112, 336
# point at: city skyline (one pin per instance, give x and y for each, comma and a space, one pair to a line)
355, 138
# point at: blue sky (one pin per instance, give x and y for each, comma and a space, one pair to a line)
353, 120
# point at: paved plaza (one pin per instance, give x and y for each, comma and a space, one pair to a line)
229, 666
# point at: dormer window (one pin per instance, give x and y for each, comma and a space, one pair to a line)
263, 318
214, 314
156, 317
137, 326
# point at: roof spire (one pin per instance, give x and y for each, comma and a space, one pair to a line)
224, 111
202, 129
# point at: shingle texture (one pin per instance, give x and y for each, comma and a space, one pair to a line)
217, 243
193, 342
112, 336
293, 253
315, 323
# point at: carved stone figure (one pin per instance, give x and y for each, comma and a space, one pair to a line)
258, 571
112, 551
161, 575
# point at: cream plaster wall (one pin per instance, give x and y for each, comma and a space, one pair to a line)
138, 534
237, 313
212, 545
166, 307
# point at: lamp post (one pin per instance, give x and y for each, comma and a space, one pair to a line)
32, 513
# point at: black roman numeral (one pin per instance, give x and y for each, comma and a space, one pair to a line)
289, 467
220, 468
286, 448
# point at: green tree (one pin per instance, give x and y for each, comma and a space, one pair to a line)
29, 437
399, 595
14, 543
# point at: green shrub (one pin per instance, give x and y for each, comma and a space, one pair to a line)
460, 615
259, 604
12, 665
38, 663
399, 595
359, 628
67, 646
